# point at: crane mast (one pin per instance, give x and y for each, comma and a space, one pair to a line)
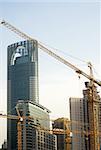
92, 102
19, 126
93, 112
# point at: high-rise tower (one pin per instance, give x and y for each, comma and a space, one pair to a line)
22, 81
77, 123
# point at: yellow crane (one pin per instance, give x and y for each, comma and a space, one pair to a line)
19, 126
19, 129
49, 51
93, 103
93, 113
66, 131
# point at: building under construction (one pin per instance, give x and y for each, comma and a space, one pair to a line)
100, 122
81, 126
93, 138
61, 128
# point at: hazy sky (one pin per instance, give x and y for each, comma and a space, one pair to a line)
72, 27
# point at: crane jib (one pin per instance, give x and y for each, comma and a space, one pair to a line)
48, 51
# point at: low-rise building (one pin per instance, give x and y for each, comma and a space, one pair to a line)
61, 128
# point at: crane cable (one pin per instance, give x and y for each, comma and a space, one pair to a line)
49, 51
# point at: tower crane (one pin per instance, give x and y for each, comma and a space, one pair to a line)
48, 51
93, 111
66, 131
19, 129
19, 126
92, 101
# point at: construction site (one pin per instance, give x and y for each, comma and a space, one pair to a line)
29, 124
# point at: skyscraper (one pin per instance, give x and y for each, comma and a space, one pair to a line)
22, 81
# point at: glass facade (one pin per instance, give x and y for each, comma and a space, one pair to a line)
23, 92
22, 81
39, 114
77, 127
35, 127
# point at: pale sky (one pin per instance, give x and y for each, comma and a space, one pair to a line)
72, 27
